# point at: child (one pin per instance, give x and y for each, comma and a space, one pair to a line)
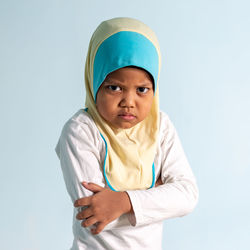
121, 158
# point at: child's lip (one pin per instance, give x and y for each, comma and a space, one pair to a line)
127, 116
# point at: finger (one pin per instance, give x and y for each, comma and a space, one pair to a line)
83, 202
92, 187
98, 228
89, 222
158, 182
84, 214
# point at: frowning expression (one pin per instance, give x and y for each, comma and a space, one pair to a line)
125, 97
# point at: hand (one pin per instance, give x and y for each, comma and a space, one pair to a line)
158, 182
103, 206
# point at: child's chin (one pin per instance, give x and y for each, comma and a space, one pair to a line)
123, 125
127, 125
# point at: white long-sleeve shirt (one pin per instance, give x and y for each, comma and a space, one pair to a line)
81, 151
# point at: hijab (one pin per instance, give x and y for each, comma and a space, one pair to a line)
130, 153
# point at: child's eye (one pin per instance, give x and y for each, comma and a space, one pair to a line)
113, 87
142, 90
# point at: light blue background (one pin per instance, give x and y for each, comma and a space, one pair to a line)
204, 87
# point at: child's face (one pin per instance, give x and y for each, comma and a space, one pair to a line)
125, 97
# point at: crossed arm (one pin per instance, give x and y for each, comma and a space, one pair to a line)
177, 196
103, 206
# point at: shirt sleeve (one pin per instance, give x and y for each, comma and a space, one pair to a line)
79, 158
80, 161
178, 194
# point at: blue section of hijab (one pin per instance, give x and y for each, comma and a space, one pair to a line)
125, 48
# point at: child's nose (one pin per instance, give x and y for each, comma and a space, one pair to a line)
128, 100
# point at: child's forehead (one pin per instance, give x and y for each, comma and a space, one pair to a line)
130, 73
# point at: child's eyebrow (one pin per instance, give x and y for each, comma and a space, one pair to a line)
142, 84
111, 81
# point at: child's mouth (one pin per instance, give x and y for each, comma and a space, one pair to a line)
127, 117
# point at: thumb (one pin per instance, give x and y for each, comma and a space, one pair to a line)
92, 186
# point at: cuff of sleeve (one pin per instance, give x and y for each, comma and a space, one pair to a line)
134, 218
